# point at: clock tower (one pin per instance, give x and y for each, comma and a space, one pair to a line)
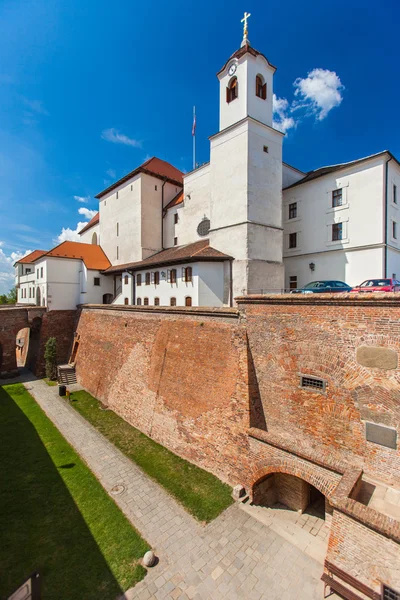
246, 173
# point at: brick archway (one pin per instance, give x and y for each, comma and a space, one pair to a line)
312, 474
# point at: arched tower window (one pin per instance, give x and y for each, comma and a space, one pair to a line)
261, 88
94, 239
232, 90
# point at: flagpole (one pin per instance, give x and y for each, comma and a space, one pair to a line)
194, 137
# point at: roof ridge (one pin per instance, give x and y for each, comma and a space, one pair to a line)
200, 249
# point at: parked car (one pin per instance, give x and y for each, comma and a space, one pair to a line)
378, 285
330, 286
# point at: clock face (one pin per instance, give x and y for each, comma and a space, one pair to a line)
232, 69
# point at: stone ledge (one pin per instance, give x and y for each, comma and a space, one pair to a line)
361, 299
230, 313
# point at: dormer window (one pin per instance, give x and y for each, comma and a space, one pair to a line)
232, 90
261, 88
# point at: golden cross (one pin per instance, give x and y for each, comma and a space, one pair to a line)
244, 21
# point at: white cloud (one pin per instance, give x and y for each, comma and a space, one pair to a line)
114, 136
111, 173
83, 199
87, 213
315, 95
7, 272
69, 235
282, 121
319, 92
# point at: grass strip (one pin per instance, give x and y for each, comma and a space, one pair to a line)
55, 516
200, 492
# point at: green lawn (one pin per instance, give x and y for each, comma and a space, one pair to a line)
50, 382
54, 515
201, 493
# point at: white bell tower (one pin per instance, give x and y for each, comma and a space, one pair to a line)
246, 173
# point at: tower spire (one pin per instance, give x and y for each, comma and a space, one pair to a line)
245, 30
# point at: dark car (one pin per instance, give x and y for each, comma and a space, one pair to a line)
378, 285
330, 286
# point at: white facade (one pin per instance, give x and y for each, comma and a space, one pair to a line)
62, 284
205, 288
366, 247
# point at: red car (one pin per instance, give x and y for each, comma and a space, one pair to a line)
378, 285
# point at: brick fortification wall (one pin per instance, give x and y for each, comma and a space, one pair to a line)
290, 336
180, 377
223, 391
61, 325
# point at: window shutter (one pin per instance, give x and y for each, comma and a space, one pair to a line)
152, 277
228, 95
183, 274
264, 91
189, 274
168, 276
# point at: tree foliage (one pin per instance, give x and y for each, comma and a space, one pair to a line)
50, 356
10, 298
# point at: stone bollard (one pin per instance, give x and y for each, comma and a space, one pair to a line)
238, 492
149, 559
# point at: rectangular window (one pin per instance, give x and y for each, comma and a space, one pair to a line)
292, 240
293, 282
117, 229
116, 195
155, 187
293, 210
172, 302
187, 274
139, 279
175, 218
37, 273
97, 281
175, 241
337, 232
394, 230
337, 198
146, 301
117, 253
126, 279
41, 271
395, 194
156, 301
157, 278
147, 278
171, 276
265, 149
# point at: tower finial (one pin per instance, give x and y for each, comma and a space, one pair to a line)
245, 31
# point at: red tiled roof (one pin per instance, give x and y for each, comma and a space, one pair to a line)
92, 222
198, 251
244, 50
155, 167
30, 258
178, 199
93, 256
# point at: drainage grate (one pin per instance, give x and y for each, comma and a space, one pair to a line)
117, 489
307, 381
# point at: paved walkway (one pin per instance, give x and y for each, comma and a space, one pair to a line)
235, 556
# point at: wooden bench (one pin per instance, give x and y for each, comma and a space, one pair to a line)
337, 586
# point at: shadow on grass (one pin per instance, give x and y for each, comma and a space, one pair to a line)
40, 523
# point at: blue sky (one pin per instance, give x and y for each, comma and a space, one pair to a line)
89, 90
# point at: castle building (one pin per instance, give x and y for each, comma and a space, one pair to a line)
245, 222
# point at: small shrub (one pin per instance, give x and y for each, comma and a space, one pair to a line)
50, 356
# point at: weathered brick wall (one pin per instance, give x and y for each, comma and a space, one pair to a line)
179, 377
368, 556
289, 336
41, 325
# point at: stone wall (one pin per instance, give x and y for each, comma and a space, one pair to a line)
180, 376
353, 345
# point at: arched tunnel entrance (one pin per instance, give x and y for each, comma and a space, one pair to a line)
294, 508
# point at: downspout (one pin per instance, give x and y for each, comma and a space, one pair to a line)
230, 284
162, 214
385, 214
133, 287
